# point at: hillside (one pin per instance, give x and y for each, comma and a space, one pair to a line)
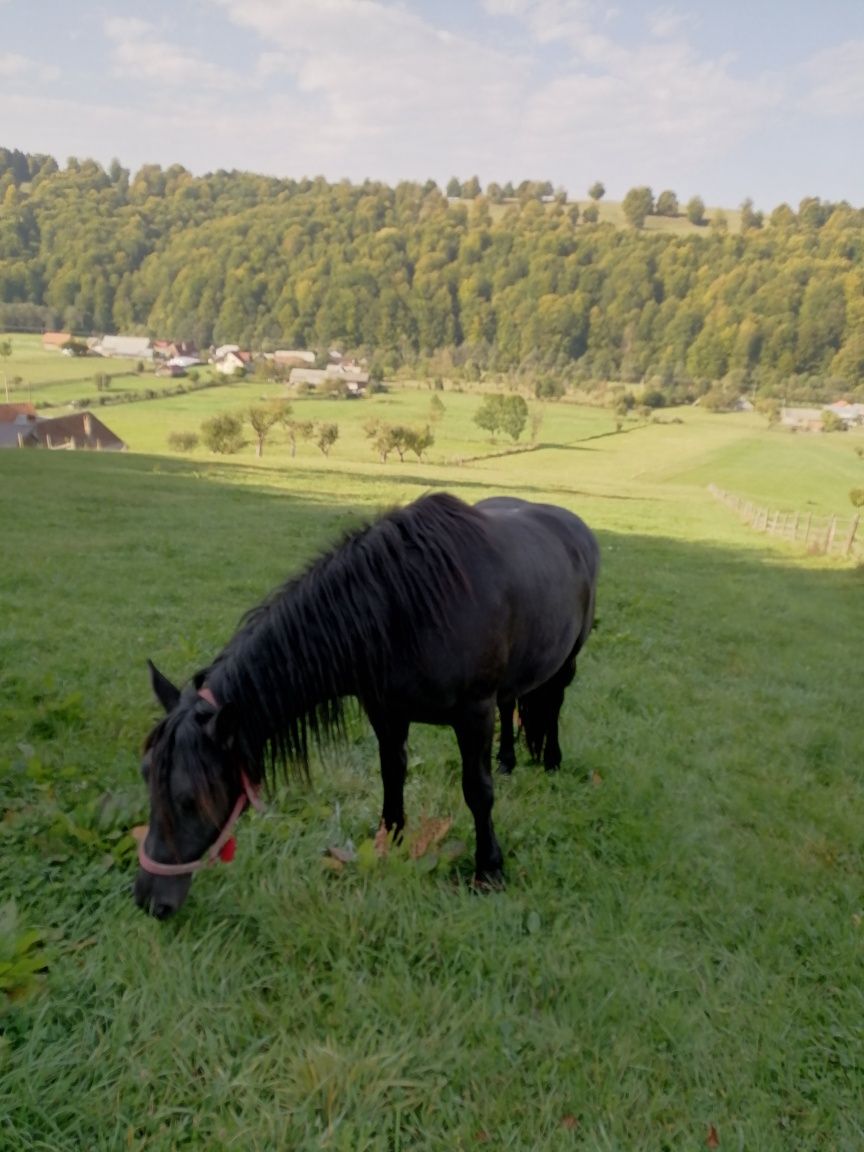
410, 278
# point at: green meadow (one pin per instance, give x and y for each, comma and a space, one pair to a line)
675, 962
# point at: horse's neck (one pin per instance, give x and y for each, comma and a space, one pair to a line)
273, 687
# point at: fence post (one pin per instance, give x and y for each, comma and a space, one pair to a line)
829, 538
807, 529
853, 528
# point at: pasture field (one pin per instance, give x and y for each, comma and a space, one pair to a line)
612, 212
675, 962
50, 378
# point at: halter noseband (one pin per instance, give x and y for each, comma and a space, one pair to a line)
223, 847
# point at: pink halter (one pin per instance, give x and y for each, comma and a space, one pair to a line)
223, 847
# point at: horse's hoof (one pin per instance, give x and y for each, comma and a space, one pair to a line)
491, 880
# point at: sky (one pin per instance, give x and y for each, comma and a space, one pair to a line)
725, 99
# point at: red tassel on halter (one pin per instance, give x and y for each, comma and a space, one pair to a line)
226, 852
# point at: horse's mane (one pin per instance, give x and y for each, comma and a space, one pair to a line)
337, 629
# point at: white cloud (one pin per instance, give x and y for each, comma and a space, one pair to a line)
836, 76
666, 23
14, 67
137, 50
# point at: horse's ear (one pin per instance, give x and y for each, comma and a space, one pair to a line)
164, 691
222, 726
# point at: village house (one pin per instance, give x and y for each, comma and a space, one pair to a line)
131, 347
78, 430
55, 341
15, 421
292, 358
232, 361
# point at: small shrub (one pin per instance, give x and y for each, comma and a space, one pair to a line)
183, 441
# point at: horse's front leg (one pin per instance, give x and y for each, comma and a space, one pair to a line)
475, 730
392, 733
507, 743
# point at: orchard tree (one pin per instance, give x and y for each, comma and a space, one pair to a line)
298, 430
223, 433
597, 190
514, 416
471, 189
263, 417
418, 440
328, 434
488, 415
454, 187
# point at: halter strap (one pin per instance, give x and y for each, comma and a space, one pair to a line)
249, 795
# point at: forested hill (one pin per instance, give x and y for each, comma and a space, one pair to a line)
405, 274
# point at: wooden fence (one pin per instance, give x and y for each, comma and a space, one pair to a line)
821, 535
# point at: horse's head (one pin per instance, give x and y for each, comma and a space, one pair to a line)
197, 791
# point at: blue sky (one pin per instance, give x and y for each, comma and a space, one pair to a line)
726, 100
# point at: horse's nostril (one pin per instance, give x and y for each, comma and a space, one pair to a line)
161, 911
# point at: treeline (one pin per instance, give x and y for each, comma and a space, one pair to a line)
416, 282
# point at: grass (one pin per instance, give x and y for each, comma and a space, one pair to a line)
678, 948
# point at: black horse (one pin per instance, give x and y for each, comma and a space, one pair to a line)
438, 613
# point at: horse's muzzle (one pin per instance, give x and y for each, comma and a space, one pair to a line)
160, 896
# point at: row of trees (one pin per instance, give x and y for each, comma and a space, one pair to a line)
418, 283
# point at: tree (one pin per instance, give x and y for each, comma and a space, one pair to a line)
597, 190
590, 214
856, 497
328, 434
383, 437
667, 203
831, 422
638, 203
696, 210
750, 219
505, 413
488, 415
418, 440
263, 417
514, 416
471, 188
454, 187
720, 222
298, 430
436, 409
223, 433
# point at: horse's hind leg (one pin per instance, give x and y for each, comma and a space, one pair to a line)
392, 733
507, 744
475, 730
540, 712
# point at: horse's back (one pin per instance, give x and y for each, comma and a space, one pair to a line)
549, 559
578, 539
